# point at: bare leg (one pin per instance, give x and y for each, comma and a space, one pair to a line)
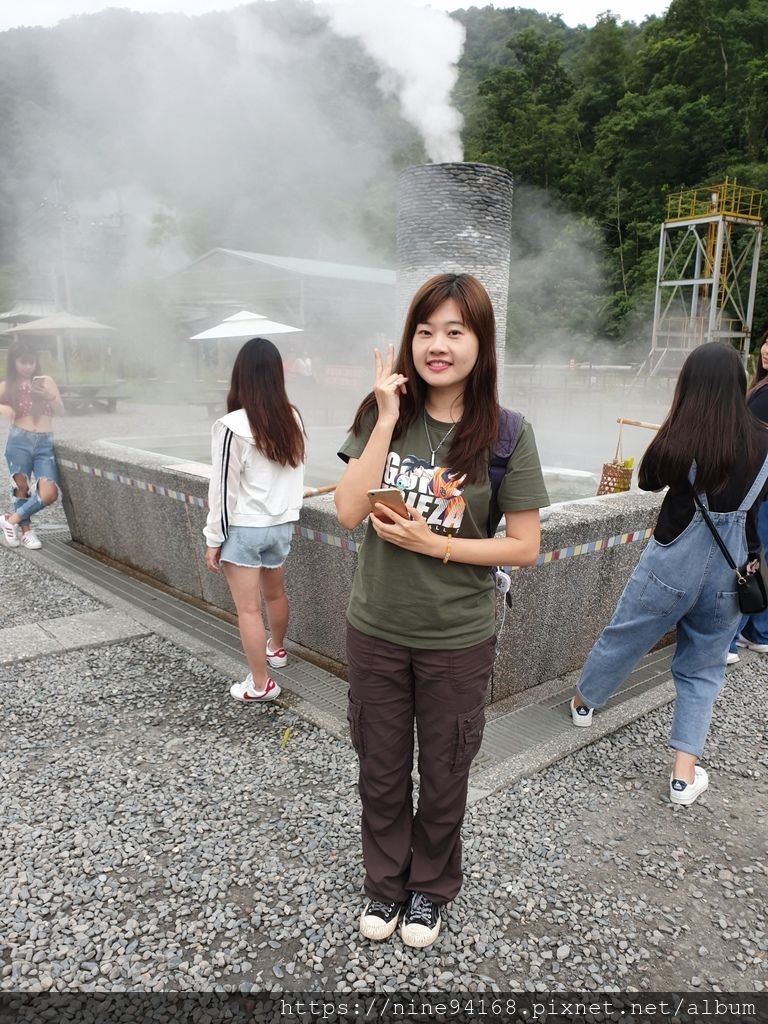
21, 490
276, 601
683, 767
243, 583
47, 492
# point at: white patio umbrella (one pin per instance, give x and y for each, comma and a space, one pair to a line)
244, 325
62, 325
59, 323
33, 309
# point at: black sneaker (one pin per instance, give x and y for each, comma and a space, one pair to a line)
379, 919
421, 922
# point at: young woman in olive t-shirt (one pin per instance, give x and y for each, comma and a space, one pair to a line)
420, 637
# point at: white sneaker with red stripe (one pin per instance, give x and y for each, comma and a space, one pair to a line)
246, 693
10, 532
277, 658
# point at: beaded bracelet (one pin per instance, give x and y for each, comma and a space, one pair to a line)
447, 554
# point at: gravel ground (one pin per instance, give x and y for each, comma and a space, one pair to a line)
29, 594
156, 836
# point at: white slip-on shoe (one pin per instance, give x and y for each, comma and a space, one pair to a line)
751, 645
581, 717
681, 792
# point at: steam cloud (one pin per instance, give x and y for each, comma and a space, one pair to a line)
418, 50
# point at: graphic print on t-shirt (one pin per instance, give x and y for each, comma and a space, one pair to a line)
434, 491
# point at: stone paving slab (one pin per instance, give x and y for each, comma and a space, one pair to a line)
28, 641
67, 633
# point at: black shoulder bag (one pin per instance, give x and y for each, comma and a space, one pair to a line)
751, 589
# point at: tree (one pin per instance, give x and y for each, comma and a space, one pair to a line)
524, 121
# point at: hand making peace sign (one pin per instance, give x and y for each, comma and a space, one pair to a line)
387, 385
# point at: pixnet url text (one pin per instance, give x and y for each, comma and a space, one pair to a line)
377, 1007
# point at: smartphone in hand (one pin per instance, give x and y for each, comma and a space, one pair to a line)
392, 497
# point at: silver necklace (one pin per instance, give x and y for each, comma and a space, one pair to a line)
437, 447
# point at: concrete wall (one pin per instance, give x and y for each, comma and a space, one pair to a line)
140, 510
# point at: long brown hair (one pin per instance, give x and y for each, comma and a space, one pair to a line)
17, 350
479, 425
258, 387
760, 376
709, 421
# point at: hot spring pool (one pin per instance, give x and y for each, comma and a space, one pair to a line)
323, 465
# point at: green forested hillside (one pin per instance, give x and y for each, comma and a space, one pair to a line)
167, 135
609, 120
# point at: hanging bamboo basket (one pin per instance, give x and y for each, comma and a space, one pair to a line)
616, 476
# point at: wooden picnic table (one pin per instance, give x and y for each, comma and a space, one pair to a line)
85, 397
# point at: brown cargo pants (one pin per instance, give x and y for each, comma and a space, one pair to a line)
444, 691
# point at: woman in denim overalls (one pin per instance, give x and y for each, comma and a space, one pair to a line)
753, 629
682, 579
29, 400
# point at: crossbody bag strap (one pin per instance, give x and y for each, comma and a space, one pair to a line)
692, 482
715, 533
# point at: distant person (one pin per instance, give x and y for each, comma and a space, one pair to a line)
710, 441
421, 616
255, 494
753, 629
304, 365
29, 400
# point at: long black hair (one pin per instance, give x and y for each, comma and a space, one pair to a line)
709, 422
479, 425
20, 350
258, 386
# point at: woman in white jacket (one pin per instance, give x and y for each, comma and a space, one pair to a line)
254, 498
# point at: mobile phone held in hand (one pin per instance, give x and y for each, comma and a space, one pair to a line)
392, 498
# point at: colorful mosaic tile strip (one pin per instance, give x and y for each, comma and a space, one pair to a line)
139, 485
591, 546
345, 543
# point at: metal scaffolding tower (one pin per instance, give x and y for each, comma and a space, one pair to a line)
707, 274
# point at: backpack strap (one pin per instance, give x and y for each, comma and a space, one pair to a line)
510, 428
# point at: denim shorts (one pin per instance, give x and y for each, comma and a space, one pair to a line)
30, 452
258, 547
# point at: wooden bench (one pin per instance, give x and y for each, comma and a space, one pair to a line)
80, 398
